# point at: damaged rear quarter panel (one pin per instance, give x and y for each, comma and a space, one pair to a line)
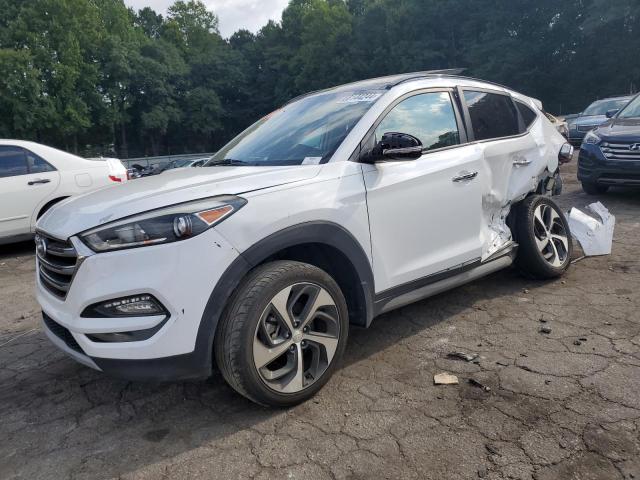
513, 168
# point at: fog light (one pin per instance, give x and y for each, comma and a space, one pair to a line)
133, 306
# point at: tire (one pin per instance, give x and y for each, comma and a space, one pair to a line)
591, 188
557, 185
544, 239
260, 319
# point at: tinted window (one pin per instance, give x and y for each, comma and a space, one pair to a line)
528, 115
12, 162
601, 107
492, 115
428, 117
632, 110
37, 164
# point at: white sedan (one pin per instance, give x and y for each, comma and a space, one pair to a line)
33, 177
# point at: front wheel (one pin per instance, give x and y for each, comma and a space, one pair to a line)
542, 232
282, 334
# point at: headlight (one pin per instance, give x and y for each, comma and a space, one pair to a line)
165, 225
591, 138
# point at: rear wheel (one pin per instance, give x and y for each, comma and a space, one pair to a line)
542, 232
593, 188
282, 334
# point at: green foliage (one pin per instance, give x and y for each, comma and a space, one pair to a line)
93, 75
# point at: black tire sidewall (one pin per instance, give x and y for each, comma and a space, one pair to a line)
591, 188
294, 272
529, 259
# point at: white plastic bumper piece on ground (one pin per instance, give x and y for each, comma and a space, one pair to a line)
594, 232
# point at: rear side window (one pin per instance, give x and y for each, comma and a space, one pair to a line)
13, 161
37, 164
492, 115
527, 114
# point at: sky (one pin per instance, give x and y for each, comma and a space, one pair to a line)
232, 14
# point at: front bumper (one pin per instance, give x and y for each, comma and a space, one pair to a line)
181, 275
576, 137
594, 167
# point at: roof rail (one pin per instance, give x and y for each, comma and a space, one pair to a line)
452, 72
450, 75
408, 77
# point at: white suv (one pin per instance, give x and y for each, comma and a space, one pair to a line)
33, 177
341, 205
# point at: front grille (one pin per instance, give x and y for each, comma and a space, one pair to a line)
620, 151
62, 333
57, 262
586, 128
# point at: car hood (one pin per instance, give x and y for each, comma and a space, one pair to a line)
589, 120
620, 129
80, 213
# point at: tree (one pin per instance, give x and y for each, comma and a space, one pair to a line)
97, 77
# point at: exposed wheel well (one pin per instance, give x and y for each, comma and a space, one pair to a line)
48, 205
336, 264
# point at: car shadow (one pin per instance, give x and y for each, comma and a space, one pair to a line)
19, 249
66, 414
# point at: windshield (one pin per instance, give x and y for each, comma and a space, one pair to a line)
307, 131
601, 107
181, 163
632, 110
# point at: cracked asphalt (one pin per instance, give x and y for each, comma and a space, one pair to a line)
562, 405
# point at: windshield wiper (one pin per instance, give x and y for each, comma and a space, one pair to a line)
227, 162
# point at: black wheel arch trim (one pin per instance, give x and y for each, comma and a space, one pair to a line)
326, 233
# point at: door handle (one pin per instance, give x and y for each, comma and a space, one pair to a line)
464, 176
521, 161
43, 180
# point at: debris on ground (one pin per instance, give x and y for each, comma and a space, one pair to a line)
583, 339
594, 229
476, 383
576, 260
492, 449
577, 342
545, 329
445, 379
467, 357
542, 319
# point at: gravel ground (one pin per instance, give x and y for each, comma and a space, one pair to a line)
562, 405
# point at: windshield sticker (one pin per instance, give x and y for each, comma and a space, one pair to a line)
366, 97
311, 160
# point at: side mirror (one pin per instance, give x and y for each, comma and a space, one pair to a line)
398, 146
611, 113
566, 153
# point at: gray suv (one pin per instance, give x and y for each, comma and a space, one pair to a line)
593, 116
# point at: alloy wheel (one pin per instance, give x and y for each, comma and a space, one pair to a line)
296, 337
550, 235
